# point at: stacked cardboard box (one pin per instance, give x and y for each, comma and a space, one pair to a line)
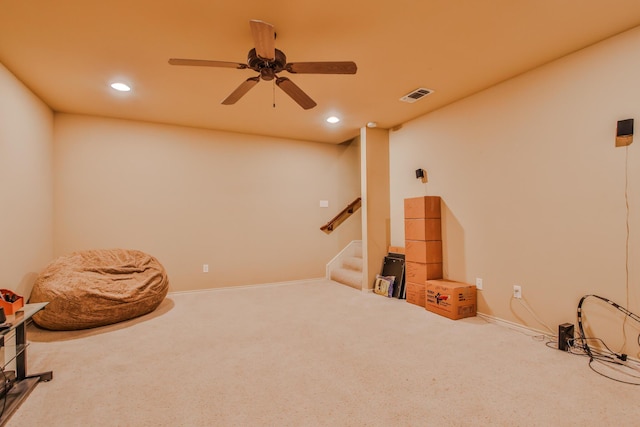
454, 300
423, 245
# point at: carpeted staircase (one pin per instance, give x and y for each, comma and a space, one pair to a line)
347, 267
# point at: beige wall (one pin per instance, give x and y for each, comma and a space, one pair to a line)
26, 193
247, 206
534, 189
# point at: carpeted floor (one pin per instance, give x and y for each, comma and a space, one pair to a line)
312, 354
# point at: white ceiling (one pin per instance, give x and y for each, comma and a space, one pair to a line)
68, 51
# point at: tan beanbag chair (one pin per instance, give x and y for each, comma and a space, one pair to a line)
98, 287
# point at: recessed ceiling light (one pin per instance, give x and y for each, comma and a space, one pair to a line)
333, 119
122, 87
372, 124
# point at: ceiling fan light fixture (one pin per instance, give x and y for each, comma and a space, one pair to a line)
333, 120
120, 87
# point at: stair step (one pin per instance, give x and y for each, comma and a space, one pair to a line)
352, 263
347, 277
357, 251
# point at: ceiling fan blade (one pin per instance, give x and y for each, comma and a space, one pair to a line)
344, 67
264, 39
295, 93
241, 90
206, 63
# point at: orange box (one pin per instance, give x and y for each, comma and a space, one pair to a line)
454, 300
434, 271
396, 250
415, 272
427, 252
11, 307
415, 293
422, 207
422, 229
419, 272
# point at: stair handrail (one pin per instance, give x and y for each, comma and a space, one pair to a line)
343, 215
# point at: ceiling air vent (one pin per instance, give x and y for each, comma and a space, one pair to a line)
416, 95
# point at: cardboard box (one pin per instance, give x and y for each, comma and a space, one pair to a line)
415, 272
434, 271
396, 250
422, 229
427, 252
419, 272
11, 307
415, 293
422, 207
454, 300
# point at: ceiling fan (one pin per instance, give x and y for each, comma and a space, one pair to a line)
269, 61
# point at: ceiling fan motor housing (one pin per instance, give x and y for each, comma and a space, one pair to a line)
266, 68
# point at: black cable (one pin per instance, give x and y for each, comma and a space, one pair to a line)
578, 347
605, 358
599, 352
609, 356
608, 301
609, 376
626, 252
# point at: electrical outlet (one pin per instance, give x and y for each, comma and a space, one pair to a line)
517, 291
478, 283
205, 268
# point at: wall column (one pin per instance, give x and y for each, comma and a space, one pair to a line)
374, 157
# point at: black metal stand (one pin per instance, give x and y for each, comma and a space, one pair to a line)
24, 383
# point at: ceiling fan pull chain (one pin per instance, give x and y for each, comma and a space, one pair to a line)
273, 85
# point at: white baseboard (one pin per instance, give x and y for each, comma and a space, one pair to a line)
515, 326
257, 285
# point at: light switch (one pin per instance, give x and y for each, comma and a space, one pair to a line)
324, 203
